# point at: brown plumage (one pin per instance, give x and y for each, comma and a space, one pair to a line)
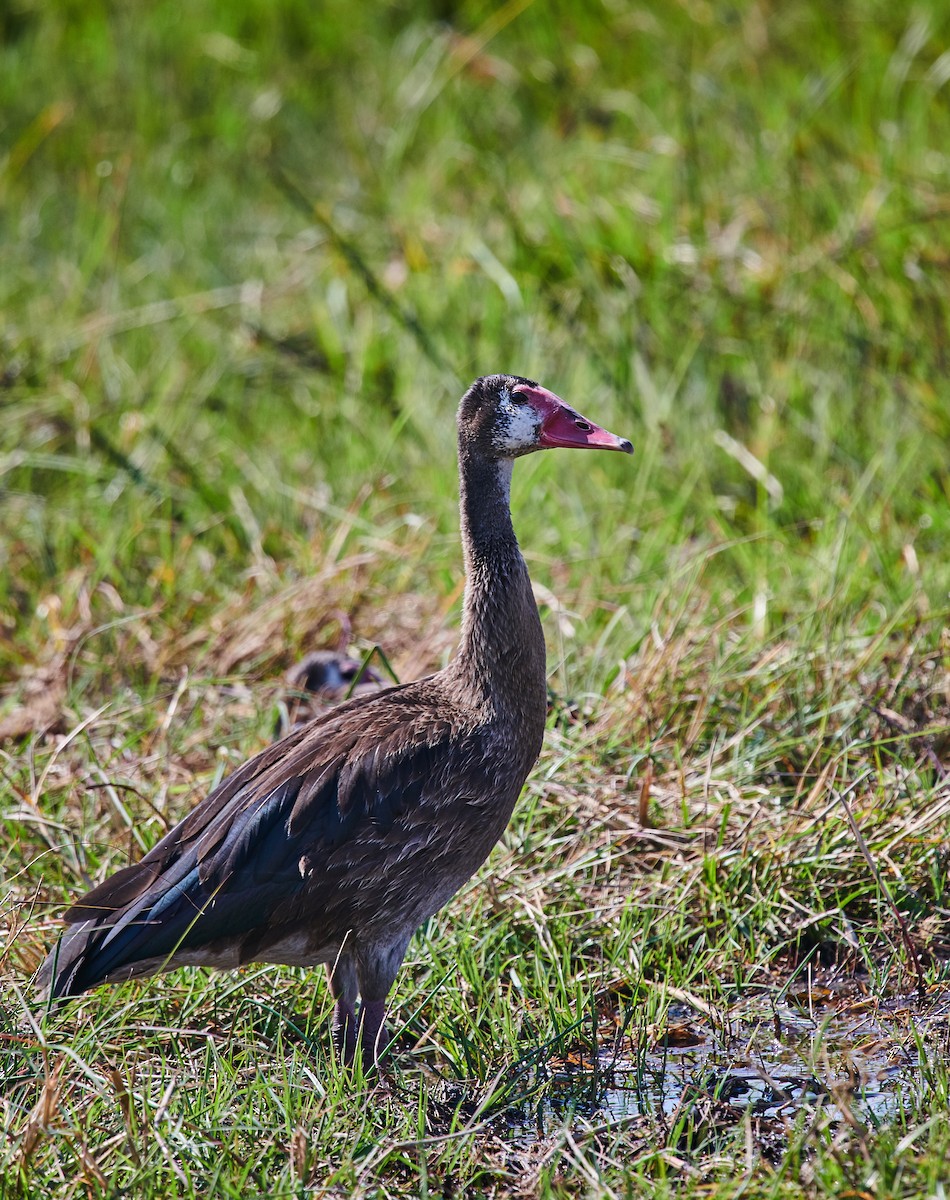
334, 844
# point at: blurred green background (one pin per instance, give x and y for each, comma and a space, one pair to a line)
253, 252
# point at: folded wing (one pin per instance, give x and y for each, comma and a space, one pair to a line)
287, 842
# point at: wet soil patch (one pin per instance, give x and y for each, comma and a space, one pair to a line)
830, 1051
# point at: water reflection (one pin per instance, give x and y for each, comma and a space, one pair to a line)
864, 1062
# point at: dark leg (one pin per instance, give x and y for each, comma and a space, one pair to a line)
341, 975
372, 1028
376, 968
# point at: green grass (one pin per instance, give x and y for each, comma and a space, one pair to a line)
250, 256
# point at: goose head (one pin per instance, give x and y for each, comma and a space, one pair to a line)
507, 416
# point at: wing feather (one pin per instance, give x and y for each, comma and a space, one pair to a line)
280, 840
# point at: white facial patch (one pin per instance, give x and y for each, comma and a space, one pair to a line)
517, 427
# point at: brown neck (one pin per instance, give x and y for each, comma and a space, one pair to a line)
501, 657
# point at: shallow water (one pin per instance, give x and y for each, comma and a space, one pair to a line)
862, 1061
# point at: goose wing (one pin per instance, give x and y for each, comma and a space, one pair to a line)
315, 832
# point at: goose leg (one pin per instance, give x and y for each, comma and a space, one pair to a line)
376, 969
341, 976
372, 1031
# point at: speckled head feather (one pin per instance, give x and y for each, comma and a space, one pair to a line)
499, 420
